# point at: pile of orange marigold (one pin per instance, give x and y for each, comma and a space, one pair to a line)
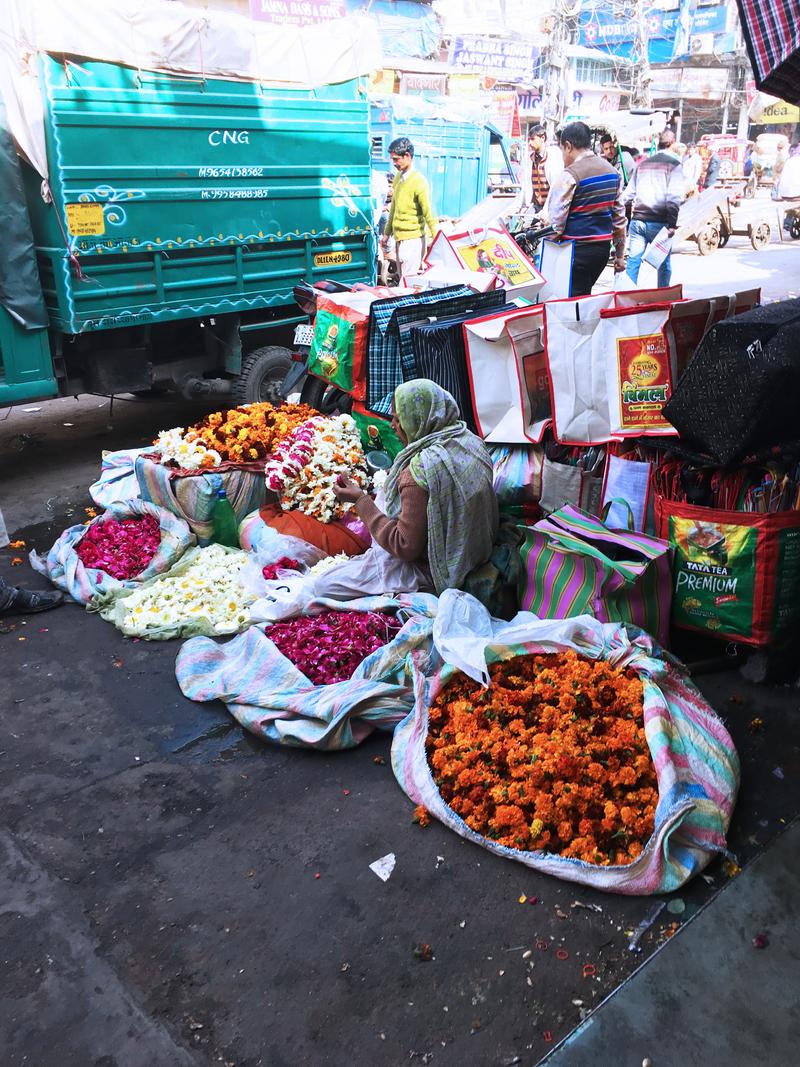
551, 757
247, 433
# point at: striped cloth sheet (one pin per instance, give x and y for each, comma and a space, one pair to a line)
271, 698
695, 759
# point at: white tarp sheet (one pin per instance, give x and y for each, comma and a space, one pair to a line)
164, 36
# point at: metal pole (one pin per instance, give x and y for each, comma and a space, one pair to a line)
725, 113
679, 120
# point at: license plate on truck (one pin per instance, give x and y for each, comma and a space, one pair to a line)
304, 334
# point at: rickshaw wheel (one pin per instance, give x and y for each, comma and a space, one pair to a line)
708, 240
759, 235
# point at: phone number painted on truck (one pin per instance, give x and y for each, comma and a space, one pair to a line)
230, 172
234, 194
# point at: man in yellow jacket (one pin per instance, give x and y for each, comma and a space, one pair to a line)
410, 213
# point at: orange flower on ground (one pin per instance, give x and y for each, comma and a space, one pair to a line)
551, 757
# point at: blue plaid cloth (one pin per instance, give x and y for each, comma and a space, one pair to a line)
390, 354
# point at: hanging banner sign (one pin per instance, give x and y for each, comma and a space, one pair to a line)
297, 12
507, 60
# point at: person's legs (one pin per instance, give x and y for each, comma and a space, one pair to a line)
588, 262
637, 243
409, 256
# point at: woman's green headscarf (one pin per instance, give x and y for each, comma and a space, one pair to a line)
456, 469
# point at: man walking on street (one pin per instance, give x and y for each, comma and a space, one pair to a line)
656, 191
546, 168
410, 212
585, 209
620, 160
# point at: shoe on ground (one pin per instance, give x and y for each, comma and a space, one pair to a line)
29, 601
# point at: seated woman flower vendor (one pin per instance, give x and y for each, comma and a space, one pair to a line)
441, 512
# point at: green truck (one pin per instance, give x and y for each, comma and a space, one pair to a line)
176, 218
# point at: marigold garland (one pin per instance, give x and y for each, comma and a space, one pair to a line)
551, 757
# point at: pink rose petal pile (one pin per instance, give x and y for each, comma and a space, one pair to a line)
121, 548
270, 572
327, 648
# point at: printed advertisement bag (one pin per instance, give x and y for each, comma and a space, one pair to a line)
574, 565
508, 376
736, 574
339, 347
636, 349
491, 249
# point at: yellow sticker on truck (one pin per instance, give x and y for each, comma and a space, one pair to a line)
85, 220
333, 259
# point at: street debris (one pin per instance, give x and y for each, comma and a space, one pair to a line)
645, 925
676, 906
423, 951
588, 907
760, 940
384, 866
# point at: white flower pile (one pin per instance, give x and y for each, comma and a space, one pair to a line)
307, 463
328, 563
172, 445
209, 588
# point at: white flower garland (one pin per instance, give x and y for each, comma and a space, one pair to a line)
172, 445
308, 462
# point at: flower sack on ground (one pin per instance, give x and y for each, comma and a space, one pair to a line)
122, 548
271, 697
202, 594
582, 809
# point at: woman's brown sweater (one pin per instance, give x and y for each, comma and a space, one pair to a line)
406, 537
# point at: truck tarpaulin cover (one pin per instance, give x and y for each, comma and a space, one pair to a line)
772, 32
161, 36
20, 288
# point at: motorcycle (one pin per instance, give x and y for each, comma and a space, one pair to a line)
528, 240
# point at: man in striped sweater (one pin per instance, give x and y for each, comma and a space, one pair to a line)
585, 208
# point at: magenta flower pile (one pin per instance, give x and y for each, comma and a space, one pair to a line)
270, 572
327, 648
121, 548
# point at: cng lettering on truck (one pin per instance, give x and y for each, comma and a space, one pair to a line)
218, 137
84, 220
332, 259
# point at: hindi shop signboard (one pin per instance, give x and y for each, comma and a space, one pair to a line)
511, 61
297, 12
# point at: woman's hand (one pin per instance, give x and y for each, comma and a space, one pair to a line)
347, 491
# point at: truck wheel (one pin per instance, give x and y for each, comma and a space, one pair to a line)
759, 235
325, 398
794, 229
262, 375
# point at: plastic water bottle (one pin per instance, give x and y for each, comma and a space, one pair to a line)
223, 518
